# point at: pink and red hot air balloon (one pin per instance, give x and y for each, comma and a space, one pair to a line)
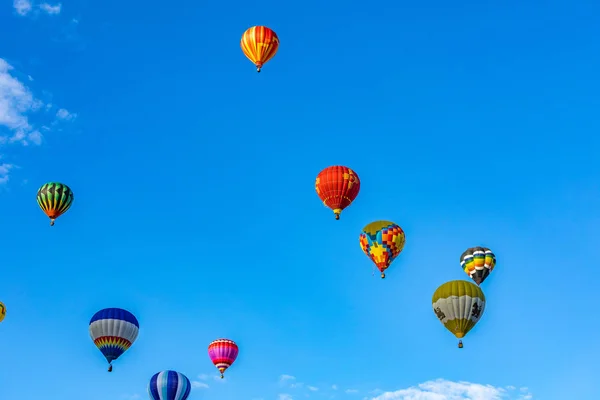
222, 353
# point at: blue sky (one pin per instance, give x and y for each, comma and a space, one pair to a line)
468, 124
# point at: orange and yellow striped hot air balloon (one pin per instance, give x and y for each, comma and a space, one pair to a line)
259, 44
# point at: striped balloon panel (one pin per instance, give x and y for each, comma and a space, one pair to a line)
169, 385
223, 353
113, 330
54, 199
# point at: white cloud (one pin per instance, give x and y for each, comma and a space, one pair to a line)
312, 388
131, 396
286, 378
17, 104
4, 171
22, 7
199, 385
447, 390
285, 396
64, 114
334, 387
51, 9
351, 391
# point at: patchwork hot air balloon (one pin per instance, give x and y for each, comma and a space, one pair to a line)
2, 311
382, 241
259, 44
478, 263
222, 353
458, 305
169, 385
113, 331
54, 199
337, 186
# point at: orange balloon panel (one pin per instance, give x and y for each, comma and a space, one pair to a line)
259, 44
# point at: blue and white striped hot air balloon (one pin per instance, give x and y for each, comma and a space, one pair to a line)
113, 331
169, 385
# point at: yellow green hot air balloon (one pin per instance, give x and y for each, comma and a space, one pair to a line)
2, 311
458, 305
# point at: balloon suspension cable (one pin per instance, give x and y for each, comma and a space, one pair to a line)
109, 367
460, 345
51, 221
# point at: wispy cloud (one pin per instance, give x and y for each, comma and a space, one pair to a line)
334, 387
447, 390
17, 104
199, 385
286, 378
131, 397
25, 7
312, 388
51, 9
285, 396
351, 391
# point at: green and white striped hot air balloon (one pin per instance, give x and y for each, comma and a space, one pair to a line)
458, 305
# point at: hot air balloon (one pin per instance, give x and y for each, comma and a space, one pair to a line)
113, 331
382, 241
259, 44
169, 385
458, 305
54, 199
2, 311
337, 187
478, 263
222, 353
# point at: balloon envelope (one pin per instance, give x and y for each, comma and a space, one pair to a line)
259, 44
337, 187
113, 331
382, 241
222, 353
169, 385
54, 199
458, 305
478, 263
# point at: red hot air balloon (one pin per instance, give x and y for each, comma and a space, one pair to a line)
222, 353
337, 187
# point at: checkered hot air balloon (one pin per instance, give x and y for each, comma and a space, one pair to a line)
337, 187
478, 263
382, 241
113, 331
54, 199
169, 385
222, 353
